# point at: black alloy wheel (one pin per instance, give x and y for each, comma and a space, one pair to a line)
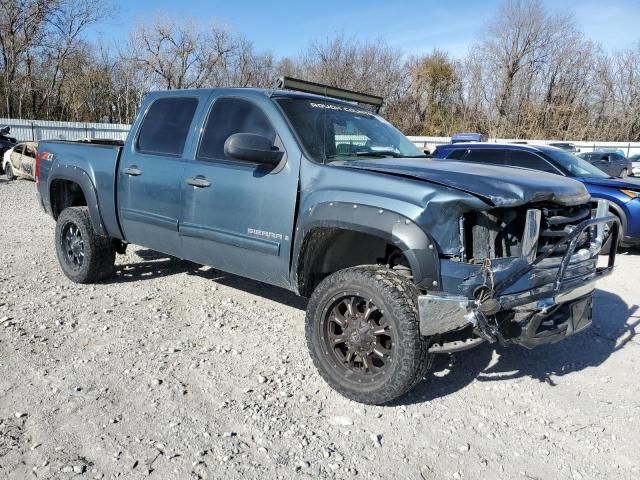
357, 336
73, 244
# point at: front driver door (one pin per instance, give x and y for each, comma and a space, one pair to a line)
238, 216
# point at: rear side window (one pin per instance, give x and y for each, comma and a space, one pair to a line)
519, 158
166, 125
227, 117
491, 156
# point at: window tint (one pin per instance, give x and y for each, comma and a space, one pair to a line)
492, 156
166, 126
519, 158
229, 116
456, 154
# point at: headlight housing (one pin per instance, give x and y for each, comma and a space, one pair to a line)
630, 193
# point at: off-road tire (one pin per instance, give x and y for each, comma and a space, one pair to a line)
9, 172
397, 296
99, 253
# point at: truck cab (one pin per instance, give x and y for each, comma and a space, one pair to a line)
306, 187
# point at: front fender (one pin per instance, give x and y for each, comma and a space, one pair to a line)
416, 245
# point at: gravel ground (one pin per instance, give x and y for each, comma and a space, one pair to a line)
170, 370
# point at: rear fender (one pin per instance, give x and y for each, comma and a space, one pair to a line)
80, 177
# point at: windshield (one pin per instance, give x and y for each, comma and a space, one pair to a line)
333, 131
574, 166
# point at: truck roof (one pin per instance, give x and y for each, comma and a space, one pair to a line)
268, 92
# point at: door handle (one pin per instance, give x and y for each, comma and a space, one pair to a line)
133, 171
199, 182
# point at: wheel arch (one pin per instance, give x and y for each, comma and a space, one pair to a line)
73, 191
616, 209
348, 228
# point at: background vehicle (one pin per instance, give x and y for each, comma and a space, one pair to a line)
468, 137
19, 161
566, 146
613, 163
623, 194
635, 165
6, 142
400, 256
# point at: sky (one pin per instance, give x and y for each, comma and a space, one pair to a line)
286, 27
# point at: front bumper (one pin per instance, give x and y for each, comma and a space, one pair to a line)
539, 314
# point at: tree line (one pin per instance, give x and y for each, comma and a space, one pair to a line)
530, 74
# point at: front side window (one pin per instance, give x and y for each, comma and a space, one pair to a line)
519, 158
166, 126
227, 117
333, 131
574, 166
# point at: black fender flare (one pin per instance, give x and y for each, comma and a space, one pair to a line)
416, 245
82, 179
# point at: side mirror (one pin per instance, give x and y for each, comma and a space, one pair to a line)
252, 148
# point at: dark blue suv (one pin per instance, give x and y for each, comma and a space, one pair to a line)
623, 194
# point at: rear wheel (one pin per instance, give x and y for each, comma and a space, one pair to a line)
624, 173
362, 329
84, 256
9, 172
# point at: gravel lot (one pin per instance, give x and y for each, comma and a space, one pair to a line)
171, 370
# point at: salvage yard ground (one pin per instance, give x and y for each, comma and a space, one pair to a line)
171, 370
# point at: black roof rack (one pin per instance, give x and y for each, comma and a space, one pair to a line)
290, 83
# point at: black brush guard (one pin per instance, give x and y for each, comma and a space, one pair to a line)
563, 307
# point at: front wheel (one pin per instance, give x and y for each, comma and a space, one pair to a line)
9, 172
85, 256
363, 335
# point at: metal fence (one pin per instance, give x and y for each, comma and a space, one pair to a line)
34, 130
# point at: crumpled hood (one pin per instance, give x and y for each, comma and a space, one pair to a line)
633, 183
498, 186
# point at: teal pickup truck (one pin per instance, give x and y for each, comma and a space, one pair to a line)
306, 187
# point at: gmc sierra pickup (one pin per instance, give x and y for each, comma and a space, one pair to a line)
401, 257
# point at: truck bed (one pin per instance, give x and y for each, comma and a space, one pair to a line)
94, 165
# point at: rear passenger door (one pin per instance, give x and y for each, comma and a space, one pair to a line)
618, 163
238, 216
151, 171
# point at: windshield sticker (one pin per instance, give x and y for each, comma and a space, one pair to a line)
340, 108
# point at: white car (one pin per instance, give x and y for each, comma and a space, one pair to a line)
19, 161
635, 165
